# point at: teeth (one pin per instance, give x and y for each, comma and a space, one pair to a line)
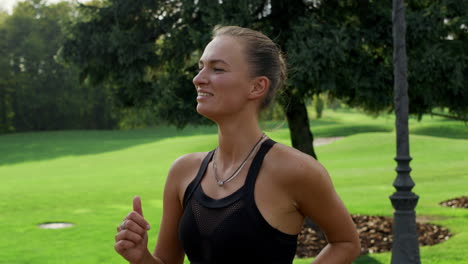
204, 94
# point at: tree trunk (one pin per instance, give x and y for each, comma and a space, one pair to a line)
298, 121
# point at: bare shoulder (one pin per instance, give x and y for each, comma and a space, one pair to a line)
188, 161
302, 177
186, 166
290, 164
183, 170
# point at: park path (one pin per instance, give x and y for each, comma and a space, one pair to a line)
325, 140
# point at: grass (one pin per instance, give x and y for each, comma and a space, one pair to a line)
89, 178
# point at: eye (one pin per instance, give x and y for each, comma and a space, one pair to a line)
218, 70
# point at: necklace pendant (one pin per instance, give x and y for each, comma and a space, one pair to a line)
220, 183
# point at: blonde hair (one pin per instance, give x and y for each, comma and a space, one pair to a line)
263, 55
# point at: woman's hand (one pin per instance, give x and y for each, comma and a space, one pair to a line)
131, 241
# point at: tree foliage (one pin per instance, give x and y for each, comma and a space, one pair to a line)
36, 92
437, 56
345, 49
147, 51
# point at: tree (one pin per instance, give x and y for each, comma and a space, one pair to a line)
3, 16
36, 92
147, 50
437, 37
6, 111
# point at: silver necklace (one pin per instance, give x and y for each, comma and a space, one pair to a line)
237, 171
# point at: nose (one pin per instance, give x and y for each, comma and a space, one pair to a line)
200, 78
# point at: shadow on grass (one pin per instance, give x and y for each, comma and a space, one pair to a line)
323, 122
366, 259
348, 130
37, 146
455, 131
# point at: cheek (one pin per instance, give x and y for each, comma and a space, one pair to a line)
231, 86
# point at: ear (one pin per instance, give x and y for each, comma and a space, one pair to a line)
259, 88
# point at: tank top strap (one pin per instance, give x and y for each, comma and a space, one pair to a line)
194, 184
256, 165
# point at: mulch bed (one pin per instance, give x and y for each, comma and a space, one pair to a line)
375, 233
459, 202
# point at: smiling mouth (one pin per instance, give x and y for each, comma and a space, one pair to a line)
204, 94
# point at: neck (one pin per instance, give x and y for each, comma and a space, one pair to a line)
236, 138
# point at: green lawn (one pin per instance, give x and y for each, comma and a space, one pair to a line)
89, 178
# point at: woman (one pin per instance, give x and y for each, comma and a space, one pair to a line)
246, 201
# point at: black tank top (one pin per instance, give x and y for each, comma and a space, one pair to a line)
231, 229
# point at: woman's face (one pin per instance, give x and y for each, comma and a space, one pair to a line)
223, 81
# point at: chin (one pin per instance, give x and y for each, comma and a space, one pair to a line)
206, 112
218, 112
212, 114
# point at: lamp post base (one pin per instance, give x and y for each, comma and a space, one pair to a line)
405, 246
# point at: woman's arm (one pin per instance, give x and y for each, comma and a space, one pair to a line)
168, 248
132, 240
317, 199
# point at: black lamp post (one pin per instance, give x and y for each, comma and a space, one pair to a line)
405, 249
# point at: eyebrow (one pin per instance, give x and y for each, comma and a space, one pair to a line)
213, 61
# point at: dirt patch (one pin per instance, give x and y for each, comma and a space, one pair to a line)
459, 202
375, 233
